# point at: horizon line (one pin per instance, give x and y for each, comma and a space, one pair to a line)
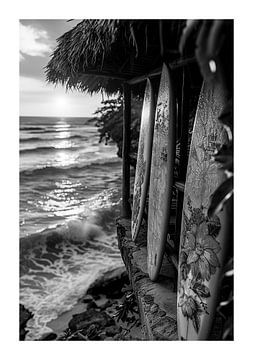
57, 116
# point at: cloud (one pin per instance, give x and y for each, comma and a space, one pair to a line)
38, 98
29, 84
34, 42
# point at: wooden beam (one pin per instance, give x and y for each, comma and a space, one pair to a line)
138, 79
157, 72
126, 208
104, 75
144, 77
179, 185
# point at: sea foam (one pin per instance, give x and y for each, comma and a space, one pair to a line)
58, 266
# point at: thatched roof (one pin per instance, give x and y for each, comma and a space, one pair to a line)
100, 54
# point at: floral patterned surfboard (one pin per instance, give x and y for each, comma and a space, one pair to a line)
161, 176
202, 241
142, 173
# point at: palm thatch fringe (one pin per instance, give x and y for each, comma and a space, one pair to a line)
115, 49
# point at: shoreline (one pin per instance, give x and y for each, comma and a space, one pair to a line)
100, 314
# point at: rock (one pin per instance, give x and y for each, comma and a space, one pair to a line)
24, 316
112, 330
102, 336
22, 333
88, 298
92, 305
96, 296
117, 337
78, 337
48, 336
87, 318
92, 332
106, 305
110, 283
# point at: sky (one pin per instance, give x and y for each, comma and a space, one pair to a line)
37, 97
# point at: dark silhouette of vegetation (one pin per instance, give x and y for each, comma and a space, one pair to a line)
110, 124
212, 41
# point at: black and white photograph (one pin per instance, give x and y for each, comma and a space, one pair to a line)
126, 179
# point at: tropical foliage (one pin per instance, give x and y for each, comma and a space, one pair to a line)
212, 42
99, 54
110, 123
198, 262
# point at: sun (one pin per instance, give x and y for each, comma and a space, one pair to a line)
61, 105
60, 101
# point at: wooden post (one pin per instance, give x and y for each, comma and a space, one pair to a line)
184, 113
126, 208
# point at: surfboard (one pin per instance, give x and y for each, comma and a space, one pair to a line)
161, 174
142, 172
202, 240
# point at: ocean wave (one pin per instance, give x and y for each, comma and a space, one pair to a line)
57, 267
75, 232
49, 130
41, 252
29, 128
46, 149
54, 170
33, 139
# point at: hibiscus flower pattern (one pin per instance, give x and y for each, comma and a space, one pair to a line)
198, 262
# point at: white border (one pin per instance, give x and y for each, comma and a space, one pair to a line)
11, 12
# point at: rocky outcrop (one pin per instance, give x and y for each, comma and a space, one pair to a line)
106, 315
87, 318
110, 283
24, 316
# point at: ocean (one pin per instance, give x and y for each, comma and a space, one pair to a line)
70, 190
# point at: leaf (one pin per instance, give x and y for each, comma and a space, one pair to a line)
196, 321
192, 257
201, 290
204, 269
220, 196
226, 116
212, 270
214, 226
201, 51
225, 158
126, 288
189, 243
229, 268
188, 30
170, 242
210, 243
212, 258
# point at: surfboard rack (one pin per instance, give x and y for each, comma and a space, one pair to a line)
134, 259
157, 72
179, 185
183, 115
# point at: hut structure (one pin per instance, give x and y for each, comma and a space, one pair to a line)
117, 56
